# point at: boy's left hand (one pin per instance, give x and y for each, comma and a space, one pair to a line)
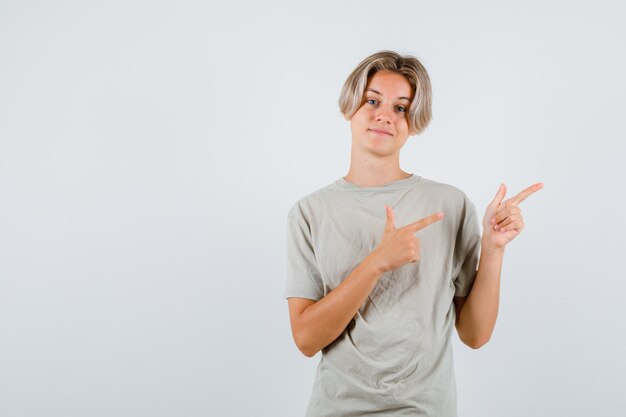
503, 219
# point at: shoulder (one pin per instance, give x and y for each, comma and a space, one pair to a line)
448, 192
450, 199
313, 202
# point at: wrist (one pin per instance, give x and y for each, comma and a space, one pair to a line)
372, 263
487, 246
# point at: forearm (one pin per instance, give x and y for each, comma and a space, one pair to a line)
478, 315
321, 323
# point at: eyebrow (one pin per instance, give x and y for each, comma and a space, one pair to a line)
377, 92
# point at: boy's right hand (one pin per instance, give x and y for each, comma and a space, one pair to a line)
400, 246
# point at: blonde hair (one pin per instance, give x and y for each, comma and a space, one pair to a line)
419, 114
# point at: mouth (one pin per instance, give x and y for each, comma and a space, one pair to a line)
380, 132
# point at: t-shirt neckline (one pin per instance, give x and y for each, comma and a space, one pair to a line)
393, 185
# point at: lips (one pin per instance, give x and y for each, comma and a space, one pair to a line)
380, 132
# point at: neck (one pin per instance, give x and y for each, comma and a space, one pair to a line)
368, 170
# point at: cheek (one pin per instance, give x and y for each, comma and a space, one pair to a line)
402, 121
358, 120
362, 115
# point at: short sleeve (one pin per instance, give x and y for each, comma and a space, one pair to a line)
466, 252
303, 277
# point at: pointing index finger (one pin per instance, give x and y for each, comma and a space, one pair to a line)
426, 221
522, 195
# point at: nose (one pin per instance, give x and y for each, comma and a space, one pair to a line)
382, 115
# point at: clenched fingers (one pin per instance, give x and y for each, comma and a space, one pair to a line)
508, 221
517, 225
506, 212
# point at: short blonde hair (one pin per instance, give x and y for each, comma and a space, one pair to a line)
419, 114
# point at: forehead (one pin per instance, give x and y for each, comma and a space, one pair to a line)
390, 84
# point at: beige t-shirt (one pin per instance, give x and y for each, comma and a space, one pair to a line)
394, 357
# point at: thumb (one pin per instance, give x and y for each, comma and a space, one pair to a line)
499, 197
389, 225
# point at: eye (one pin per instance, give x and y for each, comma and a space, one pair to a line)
372, 101
401, 109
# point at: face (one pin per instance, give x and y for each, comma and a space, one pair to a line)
380, 126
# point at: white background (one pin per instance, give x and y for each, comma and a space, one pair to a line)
150, 151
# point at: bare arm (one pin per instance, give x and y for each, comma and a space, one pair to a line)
315, 325
477, 314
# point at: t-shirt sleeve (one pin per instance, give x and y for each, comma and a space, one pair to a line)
303, 276
466, 252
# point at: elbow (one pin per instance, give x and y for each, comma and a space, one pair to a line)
472, 339
476, 343
304, 347
309, 353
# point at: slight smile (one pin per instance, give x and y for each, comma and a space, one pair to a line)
380, 132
